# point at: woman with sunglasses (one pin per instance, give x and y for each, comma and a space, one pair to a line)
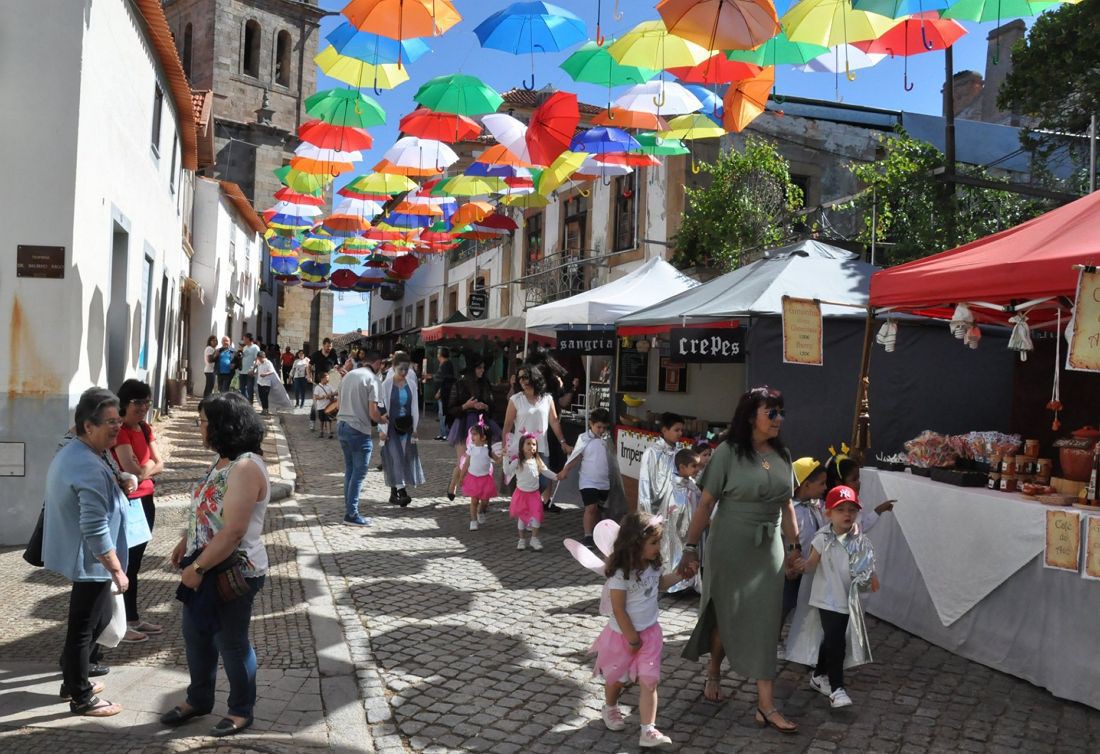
137, 453
532, 411
400, 455
753, 533
471, 403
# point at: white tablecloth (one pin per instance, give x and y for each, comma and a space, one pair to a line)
1035, 623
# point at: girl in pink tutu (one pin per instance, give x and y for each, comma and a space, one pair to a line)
629, 647
526, 507
476, 479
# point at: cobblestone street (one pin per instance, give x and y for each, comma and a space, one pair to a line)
419, 635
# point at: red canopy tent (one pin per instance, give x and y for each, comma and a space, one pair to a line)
501, 328
1028, 266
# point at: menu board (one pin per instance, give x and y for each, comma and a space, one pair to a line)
1084, 345
1091, 569
632, 374
1063, 540
802, 335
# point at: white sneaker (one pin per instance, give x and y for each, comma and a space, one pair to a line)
839, 698
780, 653
820, 683
481, 518
522, 544
536, 545
473, 526
651, 737
613, 718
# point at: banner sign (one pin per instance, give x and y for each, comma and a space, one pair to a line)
630, 444
801, 331
1091, 568
698, 345
1063, 540
587, 342
1084, 345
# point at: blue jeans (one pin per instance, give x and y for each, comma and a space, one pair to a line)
442, 418
232, 645
300, 385
247, 383
357, 449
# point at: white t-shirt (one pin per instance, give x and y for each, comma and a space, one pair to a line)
534, 418
594, 472
833, 577
248, 358
208, 360
323, 395
480, 462
300, 368
641, 598
265, 373
527, 474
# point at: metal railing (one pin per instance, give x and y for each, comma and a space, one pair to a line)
560, 275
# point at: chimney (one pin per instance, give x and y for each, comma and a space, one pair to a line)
967, 86
998, 62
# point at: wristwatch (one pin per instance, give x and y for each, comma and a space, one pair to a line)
691, 548
795, 546
198, 569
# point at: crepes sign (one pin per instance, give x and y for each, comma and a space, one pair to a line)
707, 345
587, 342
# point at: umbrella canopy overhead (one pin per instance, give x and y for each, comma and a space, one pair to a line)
531, 27
322, 134
552, 126
402, 19
779, 49
373, 48
459, 94
593, 64
345, 107
604, 139
659, 97
717, 69
650, 45
357, 73
842, 58
721, 24
746, 100
509, 133
832, 22
428, 124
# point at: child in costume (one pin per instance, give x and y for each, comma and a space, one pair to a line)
323, 395
685, 499
809, 479
842, 469
655, 478
832, 635
526, 505
476, 474
594, 454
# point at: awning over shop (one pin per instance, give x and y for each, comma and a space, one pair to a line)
501, 328
810, 269
1030, 262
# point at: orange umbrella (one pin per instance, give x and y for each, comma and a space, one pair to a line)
385, 166
747, 99
415, 208
402, 19
630, 159
618, 117
471, 212
320, 167
721, 24
498, 154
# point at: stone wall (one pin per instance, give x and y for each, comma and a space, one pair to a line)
305, 318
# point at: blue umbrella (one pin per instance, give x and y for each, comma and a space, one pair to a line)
486, 170
529, 28
374, 48
712, 103
604, 140
402, 220
284, 265
284, 243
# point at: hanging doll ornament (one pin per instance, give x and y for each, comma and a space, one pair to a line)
1055, 403
961, 321
888, 335
1020, 340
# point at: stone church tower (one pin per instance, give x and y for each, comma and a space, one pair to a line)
257, 58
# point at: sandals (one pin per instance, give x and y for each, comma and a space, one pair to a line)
715, 682
133, 636
765, 719
97, 688
96, 707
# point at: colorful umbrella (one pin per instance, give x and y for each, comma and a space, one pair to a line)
634, 159
459, 94
496, 170
320, 154
746, 100
287, 195
385, 166
359, 74
374, 48
471, 212
915, 35
402, 19
498, 154
899, 8
658, 147
779, 49
832, 22
649, 45
692, 126
593, 64
448, 127
330, 168
721, 24
993, 10
637, 119
603, 139
552, 126
842, 58
659, 97
526, 28
414, 152
334, 137
509, 133
358, 207
593, 167
473, 185
563, 166
529, 200
305, 183
381, 183
717, 69
298, 210
345, 107
712, 103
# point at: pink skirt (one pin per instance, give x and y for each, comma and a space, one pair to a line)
526, 506
480, 487
615, 661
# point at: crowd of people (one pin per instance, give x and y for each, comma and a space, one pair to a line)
763, 538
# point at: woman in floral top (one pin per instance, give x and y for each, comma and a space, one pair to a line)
227, 517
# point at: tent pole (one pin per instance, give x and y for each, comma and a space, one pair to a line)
587, 387
861, 419
525, 340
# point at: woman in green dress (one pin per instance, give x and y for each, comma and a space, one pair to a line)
750, 475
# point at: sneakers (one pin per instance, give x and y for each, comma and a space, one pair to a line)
839, 698
357, 521
820, 683
536, 545
651, 737
473, 525
613, 718
312, 427
481, 518
521, 544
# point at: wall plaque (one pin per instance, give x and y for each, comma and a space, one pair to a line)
39, 261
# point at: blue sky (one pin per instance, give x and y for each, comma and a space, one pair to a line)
458, 51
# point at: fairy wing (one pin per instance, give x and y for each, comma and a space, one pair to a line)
584, 556
605, 534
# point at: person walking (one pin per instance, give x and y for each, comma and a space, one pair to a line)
400, 454
471, 404
321, 362
222, 564
750, 474
208, 365
359, 410
531, 411
299, 373
136, 452
266, 378
287, 363
84, 540
246, 374
444, 380
223, 361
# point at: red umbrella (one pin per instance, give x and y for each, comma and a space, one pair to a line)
631, 159
552, 127
343, 280
377, 234
352, 194
921, 32
328, 136
428, 124
403, 267
287, 194
717, 69
497, 222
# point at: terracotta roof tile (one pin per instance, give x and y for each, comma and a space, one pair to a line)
203, 104
165, 49
530, 98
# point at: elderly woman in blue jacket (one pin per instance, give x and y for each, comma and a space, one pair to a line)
84, 540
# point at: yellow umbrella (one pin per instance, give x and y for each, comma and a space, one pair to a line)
526, 201
559, 171
382, 183
649, 45
834, 22
359, 74
473, 185
692, 126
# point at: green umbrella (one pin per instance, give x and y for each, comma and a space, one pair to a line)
458, 94
778, 50
993, 10
345, 107
593, 64
658, 147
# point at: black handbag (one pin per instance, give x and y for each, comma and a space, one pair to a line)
403, 425
33, 553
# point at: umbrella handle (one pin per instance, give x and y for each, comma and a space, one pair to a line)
606, 180
924, 37
848, 72
610, 112
584, 192
659, 100
907, 83
599, 36
532, 86
695, 169
618, 14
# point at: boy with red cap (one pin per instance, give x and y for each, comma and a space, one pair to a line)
844, 562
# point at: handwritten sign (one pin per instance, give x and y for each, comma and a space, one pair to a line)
801, 331
1084, 346
1063, 541
711, 345
1091, 568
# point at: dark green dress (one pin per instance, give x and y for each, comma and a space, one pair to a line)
743, 571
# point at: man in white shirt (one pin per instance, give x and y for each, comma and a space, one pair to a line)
359, 410
245, 377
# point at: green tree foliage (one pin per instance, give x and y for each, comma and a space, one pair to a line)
914, 216
748, 204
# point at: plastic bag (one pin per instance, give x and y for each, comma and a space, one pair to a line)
116, 629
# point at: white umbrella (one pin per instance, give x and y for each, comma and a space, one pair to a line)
314, 152
659, 97
509, 132
357, 207
840, 59
591, 166
414, 152
298, 210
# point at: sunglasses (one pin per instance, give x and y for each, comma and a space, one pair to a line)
774, 412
